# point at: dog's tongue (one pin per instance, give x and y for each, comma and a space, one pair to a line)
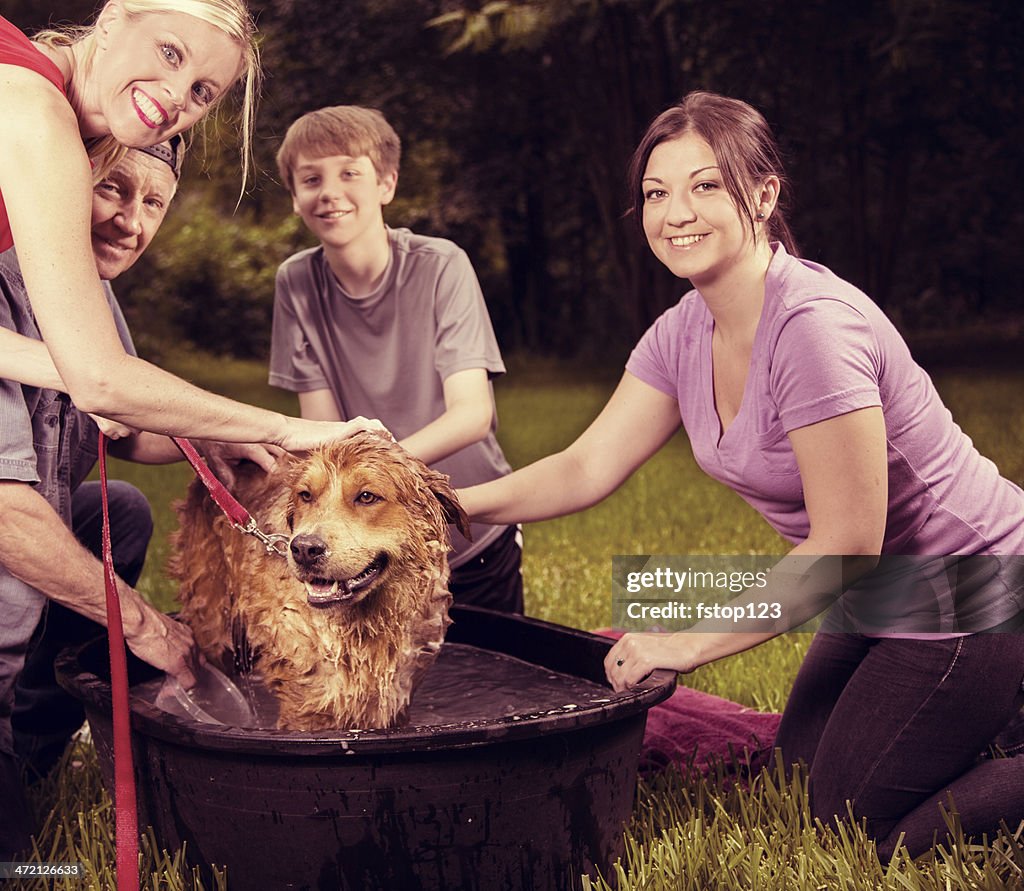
324, 587
321, 589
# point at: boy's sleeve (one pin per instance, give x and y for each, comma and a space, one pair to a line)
293, 362
465, 338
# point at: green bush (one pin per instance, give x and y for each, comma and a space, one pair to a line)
209, 281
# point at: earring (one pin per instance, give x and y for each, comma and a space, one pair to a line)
760, 216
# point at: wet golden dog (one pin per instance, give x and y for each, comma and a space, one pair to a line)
343, 628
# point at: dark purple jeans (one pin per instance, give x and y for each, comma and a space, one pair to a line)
896, 727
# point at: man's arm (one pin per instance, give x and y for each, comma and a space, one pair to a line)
222, 457
36, 547
27, 361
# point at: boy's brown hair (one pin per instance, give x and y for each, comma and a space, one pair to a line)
340, 130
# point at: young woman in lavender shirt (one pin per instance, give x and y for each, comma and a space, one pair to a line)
796, 391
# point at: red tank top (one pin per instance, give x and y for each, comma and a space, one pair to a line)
16, 49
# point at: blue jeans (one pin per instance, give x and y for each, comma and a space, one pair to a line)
896, 727
45, 716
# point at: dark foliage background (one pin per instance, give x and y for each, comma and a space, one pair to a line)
901, 122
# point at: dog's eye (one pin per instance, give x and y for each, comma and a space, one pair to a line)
367, 498
304, 495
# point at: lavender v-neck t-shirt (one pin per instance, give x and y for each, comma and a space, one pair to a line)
823, 349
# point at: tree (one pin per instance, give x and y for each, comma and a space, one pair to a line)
518, 118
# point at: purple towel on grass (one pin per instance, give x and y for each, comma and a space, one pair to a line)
706, 729
702, 729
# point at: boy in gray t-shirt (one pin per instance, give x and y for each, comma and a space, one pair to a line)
385, 323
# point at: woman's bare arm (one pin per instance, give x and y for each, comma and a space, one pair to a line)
844, 472
46, 183
637, 421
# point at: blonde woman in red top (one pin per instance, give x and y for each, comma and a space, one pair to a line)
143, 72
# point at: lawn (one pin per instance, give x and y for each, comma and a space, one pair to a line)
688, 831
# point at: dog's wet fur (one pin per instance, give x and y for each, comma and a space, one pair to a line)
342, 629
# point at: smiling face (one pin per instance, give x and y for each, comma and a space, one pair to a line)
691, 222
128, 206
340, 198
348, 527
367, 522
155, 75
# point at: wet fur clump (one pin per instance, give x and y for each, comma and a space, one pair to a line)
343, 629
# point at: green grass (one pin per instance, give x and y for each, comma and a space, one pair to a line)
687, 831
77, 819
696, 833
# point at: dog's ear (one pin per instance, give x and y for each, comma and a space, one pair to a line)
454, 513
442, 489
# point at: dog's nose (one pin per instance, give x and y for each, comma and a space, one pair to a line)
307, 548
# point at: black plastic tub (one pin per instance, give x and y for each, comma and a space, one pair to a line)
524, 800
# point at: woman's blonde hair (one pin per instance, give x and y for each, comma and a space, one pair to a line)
230, 16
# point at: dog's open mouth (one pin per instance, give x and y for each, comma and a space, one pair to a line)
323, 592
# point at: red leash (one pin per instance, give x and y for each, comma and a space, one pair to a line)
126, 815
240, 518
127, 821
